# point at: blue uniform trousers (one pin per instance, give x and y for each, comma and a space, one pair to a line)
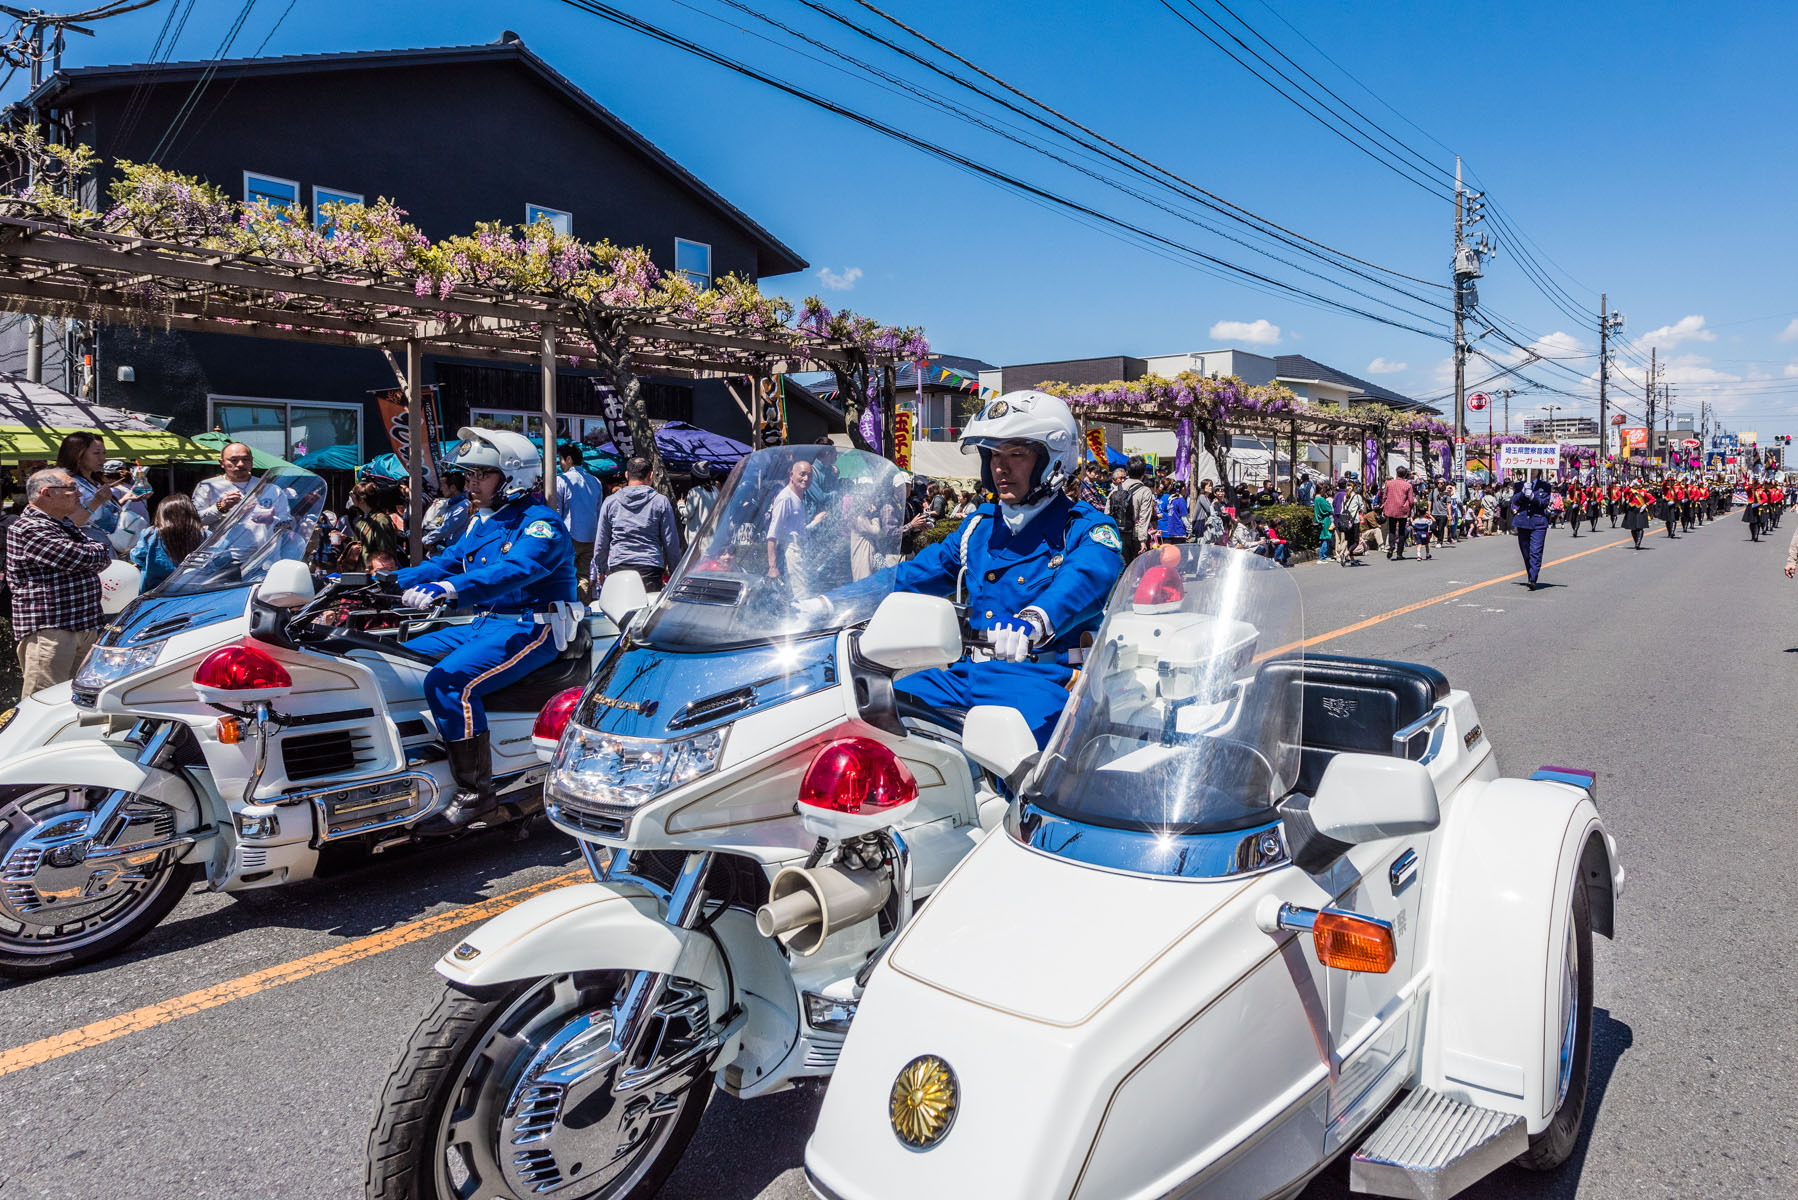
1530, 542
1038, 690
475, 659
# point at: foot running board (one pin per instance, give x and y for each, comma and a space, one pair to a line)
1432, 1147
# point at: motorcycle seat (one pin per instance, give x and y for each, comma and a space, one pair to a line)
1355, 705
569, 669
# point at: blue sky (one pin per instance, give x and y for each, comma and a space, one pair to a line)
1642, 149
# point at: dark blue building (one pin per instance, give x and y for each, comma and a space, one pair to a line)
454, 136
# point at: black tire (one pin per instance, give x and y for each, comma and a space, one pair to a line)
1554, 1145
404, 1151
28, 955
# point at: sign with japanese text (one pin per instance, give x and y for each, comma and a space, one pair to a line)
1529, 456
902, 440
1635, 437
1095, 445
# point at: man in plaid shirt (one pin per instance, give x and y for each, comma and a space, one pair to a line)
54, 572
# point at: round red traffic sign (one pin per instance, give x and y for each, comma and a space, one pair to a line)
1478, 401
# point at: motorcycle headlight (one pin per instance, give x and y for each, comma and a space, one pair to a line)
109, 664
603, 768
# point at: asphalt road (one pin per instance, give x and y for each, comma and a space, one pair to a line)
1666, 670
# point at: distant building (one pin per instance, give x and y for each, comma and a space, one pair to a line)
1306, 377
1560, 428
455, 136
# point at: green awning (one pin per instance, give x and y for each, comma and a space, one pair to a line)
37, 443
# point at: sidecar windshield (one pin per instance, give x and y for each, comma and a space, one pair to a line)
1187, 717
791, 524
274, 520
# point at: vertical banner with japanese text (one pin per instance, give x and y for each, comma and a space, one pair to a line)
902, 440
1095, 442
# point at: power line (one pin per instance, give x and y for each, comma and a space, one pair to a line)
1268, 79
202, 83
1161, 174
1011, 182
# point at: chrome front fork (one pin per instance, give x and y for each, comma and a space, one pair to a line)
641, 1000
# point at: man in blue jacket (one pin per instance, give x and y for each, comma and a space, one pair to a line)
514, 566
1529, 520
1037, 566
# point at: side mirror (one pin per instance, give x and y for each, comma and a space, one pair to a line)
288, 584
997, 738
1366, 797
621, 595
911, 632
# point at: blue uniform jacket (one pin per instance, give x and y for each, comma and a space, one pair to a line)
520, 560
1063, 564
1530, 504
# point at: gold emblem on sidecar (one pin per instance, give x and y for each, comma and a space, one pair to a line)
924, 1101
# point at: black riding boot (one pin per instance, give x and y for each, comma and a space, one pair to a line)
471, 766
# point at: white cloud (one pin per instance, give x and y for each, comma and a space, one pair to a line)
1790, 333
839, 282
1384, 366
1256, 333
1792, 370
1686, 329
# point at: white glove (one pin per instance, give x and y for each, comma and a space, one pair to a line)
427, 594
1011, 639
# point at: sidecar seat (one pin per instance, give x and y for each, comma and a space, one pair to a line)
1356, 705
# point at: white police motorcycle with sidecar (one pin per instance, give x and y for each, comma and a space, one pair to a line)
760, 812
234, 725
1245, 901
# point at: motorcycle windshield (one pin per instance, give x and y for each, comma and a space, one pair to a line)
1187, 716
791, 524
274, 520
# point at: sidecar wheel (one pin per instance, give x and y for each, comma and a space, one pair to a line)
56, 916
1552, 1147
508, 1094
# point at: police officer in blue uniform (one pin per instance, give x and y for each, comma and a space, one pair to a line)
1037, 566
514, 565
1529, 520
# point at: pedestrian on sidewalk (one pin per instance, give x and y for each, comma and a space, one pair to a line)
1530, 506
578, 495
637, 529
1396, 500
1423, 525
53, 570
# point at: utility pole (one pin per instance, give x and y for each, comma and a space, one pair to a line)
1467, 268
1648, 399
1608, 323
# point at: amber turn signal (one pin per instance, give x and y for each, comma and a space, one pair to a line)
230, 731
1350, 943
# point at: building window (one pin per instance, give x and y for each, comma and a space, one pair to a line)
322, 196
561, 222
694, 260
328, 434
589, 430
279, 193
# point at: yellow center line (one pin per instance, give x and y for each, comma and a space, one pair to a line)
98, 1033
1358, 626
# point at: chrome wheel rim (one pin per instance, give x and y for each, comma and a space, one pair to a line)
533, 1110
53, 901
1569, 1014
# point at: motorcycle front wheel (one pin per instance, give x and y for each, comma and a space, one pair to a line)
513, 1095
60, 908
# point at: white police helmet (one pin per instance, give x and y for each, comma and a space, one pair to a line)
505, 451
1027, 416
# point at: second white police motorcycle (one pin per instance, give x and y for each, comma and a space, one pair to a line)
1246, 900
760, 812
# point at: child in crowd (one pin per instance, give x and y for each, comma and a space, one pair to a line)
1422, 526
